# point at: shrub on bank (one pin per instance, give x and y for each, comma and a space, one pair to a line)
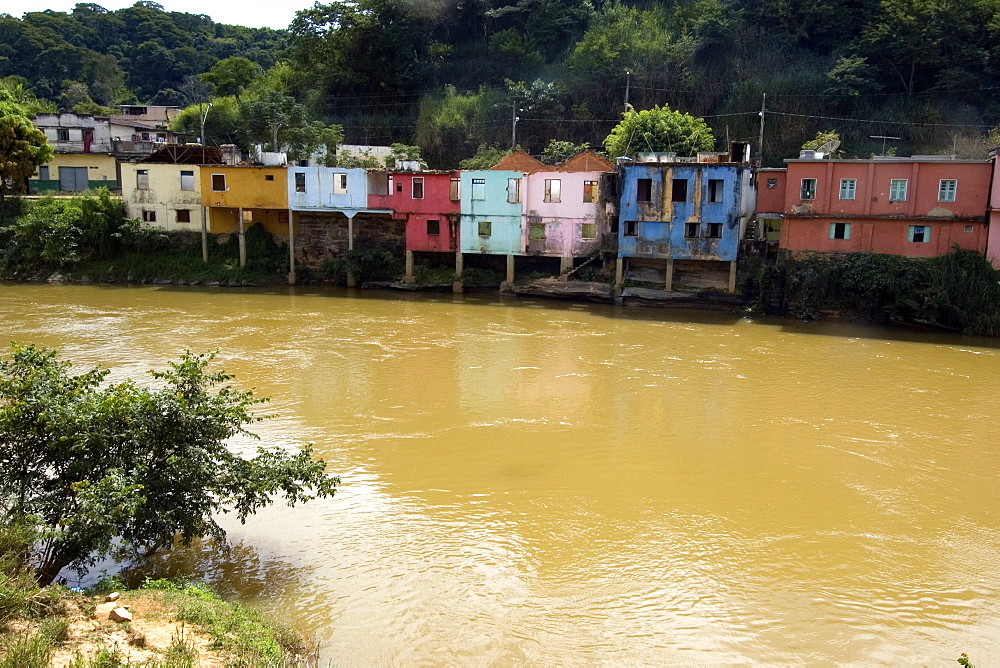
959, 291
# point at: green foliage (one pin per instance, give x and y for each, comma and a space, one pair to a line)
231, 76
60, 233
485, 158
561, 151
364, 265
964, 661
822, 138
223, 122
118, 468
23, 147
659, 129
480, 276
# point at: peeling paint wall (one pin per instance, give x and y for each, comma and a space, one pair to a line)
504, 217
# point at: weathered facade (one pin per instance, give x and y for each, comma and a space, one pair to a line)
692, 209
920, 206
491, 212
164, 189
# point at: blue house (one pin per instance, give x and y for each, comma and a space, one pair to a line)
684, 214
491, 214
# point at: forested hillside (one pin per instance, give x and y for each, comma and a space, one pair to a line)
451, 75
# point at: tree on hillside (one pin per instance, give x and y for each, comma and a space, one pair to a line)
231, 76
122, 469
23, 147
659, 129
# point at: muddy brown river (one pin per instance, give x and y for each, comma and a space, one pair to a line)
536, 483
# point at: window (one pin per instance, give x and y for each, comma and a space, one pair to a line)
848, 188
808, 189
300, 182
62, 135
514, 190
187, 179
456, 189
920, 234
43, 173
715, 190
553, 190
840, 230
968, 228
142, 179
772, 184
340, 184
589, 192
183, 215
630, 228
946, 190
418, 187
479, 189
149, 216
219, 182
399, 187
679, 190
644, 190
589, 231
714, 230
692, 230
433, 227
485, 228
282, 217
269, 177
536, 232
897, 190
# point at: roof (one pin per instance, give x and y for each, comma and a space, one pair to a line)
586, 161
519, 161
185, 154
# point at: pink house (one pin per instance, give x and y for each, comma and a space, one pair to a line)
563, 213
920, 206
993, 240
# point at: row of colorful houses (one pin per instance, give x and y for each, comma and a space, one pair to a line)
648, 215
656, 217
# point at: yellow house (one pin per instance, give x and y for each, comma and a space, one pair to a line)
73, 172
259, 194
167, 196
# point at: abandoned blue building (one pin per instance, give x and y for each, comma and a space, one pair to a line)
684, 216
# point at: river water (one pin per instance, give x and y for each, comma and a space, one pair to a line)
535, 483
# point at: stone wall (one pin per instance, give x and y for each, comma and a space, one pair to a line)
323, 235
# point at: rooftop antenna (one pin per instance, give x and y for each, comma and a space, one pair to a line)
884, 139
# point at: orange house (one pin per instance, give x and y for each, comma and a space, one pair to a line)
255, 194
920, 206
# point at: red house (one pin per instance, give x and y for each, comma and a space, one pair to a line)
429, 203
920, 206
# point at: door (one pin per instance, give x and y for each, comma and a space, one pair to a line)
72, 179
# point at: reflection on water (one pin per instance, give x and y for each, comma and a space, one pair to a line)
546, 483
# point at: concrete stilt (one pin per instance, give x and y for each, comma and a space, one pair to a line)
619, 270
458, 285
732, 276
409, 277
510, 268
565, 265
243, 241
204, 234
292, 279
670, 275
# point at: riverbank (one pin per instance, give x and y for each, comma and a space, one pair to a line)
161, 624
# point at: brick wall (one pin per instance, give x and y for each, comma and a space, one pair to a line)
322, 235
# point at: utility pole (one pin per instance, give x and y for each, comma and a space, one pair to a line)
201, 138
628, 82
513, 126
760, 140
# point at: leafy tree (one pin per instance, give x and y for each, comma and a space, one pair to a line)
659, 129
231, 76
23, 147
561, 151
122, 469
222, 122
485, 157
822, 138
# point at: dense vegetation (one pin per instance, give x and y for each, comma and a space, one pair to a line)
959, 291
451, 77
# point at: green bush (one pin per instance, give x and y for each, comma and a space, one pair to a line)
365, 265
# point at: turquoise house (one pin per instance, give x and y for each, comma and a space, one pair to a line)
491, 212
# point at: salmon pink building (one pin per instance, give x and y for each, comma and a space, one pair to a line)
920, 206
429, 203
993, 237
